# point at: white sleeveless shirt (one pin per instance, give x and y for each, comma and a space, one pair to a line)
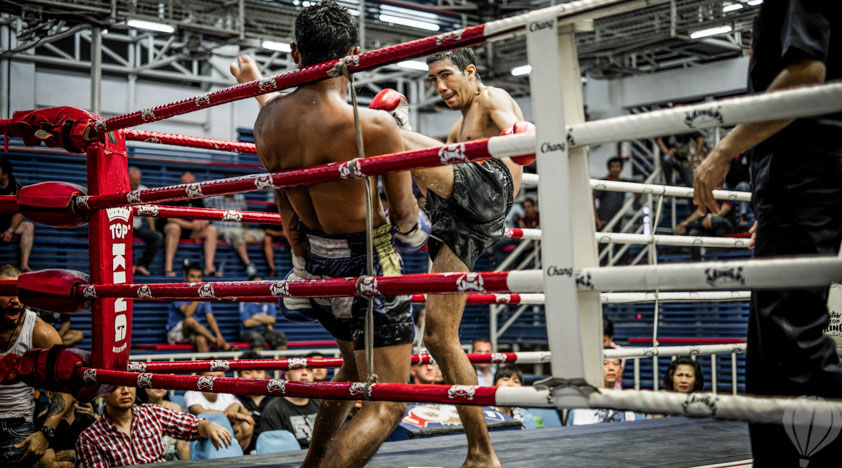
17, 400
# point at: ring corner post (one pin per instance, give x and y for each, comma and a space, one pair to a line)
574, 319
110, 245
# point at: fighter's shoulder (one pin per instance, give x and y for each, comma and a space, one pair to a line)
377, 122
44, 335
493, 97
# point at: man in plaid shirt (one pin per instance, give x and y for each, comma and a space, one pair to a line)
131, 435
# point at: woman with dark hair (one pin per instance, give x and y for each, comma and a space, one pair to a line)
684, 375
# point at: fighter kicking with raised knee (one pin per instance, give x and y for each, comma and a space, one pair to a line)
325, 225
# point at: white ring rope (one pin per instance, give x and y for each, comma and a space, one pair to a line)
680, 241
665, 190
688, 296
692, 350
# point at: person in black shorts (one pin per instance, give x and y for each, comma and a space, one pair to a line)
15, 224
197, 229
797, 196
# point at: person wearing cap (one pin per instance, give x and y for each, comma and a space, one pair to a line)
257, 323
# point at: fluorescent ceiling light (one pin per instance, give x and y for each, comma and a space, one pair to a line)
732, 7
754, 2
521, 70
409, 22
275, 45
150, 26
407, 12
711, 32
413, 65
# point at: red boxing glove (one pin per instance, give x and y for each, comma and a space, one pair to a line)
395, 104
521, 126
56, 369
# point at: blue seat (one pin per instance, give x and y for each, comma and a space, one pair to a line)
203, 449
549, 415
276, 441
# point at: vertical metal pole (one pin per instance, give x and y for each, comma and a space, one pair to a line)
96, 70
713, 373
241, 17
362, 26
5, 64
493, 326
637, 373
574, 320
734, 373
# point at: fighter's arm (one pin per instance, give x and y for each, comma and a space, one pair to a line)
382, 137
501, 108
296, 240
245, 69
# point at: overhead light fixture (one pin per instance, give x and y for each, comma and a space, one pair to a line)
710, 32
408, 22
754, 2
150, 26
732, 7
275, 45
408, 17
521, 70
413, 65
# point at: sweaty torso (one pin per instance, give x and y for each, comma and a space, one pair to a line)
311, 127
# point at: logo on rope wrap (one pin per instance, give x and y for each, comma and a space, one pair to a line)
206, 290
466, 392
297, 363
502, 298
144, 292
277, 386
146, 210
264, 182
136, 367
231, 215
147, 114
99, 126
152, 140
704, 116
89, 376
145, 380
498, 358
694, 350
351, 169
367, 286
205, 383
454, 153
584, 281
725, 275
89, 291
545, 356
133, 197
193, 191
357, 389
279, 288
218, 365
82, 201
470, 282
351, 60
203, 100
447, 37
700, 405
267, 84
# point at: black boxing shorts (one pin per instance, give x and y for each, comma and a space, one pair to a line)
473, 218
339, 256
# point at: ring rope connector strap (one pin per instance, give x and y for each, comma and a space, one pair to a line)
369, 384
341, 67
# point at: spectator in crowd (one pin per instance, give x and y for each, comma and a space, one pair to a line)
61, 322
174, 449
608, 342
676, 154
197, 229
511, 376
485, 376
189, 322
738, 178
14, 224
255, 405
296, 415
62, 451
719, 223
425, 374
129, 434
580, 416
531, 217
684, 375
144, 228
607, 203
235, 232
257, 324
224, 403
21, 330
319, 373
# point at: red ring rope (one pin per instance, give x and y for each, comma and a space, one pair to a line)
189, 141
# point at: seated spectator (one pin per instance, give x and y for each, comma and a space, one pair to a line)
174, 449
197, 229
131, 435
676, 154
607, 203
225, 403
582, 416
254, 404
257, 323
319, 373
485, 375
716, 224
235, 232
61, 322
511, 376
531, 217
144, 229
189, 321
62, 451
293, 414
608, 342
12, 225
684, 375
738, 179
425, 374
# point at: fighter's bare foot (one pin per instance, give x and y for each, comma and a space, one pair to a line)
482, 461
